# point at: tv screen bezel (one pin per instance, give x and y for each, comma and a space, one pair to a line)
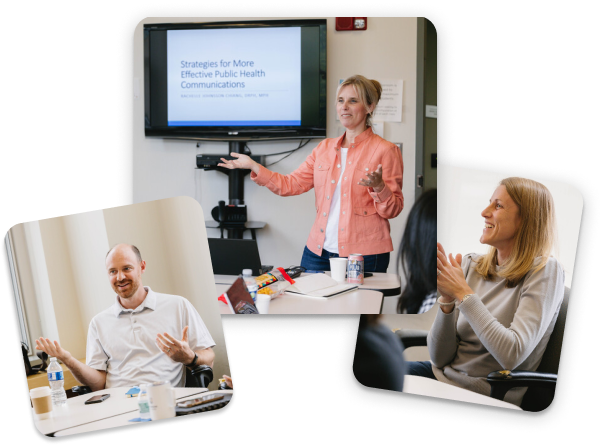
237, 133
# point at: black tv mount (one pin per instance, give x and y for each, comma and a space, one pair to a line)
232, 217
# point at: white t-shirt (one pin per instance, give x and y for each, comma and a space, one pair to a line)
122, 342
333, 220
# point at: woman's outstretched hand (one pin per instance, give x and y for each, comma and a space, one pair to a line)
241, 162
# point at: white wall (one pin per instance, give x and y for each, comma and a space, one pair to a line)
468, 192
166, 168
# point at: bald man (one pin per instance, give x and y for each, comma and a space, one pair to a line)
142, 338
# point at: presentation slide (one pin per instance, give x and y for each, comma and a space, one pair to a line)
241, 77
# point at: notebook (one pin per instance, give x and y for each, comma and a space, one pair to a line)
231, 256
320, 285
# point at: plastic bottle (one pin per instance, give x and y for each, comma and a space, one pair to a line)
56, 381
143, 403
250, 283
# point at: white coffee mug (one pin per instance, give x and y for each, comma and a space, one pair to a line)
42, 402
338, 267
162, 400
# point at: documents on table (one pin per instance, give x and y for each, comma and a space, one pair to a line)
319, 285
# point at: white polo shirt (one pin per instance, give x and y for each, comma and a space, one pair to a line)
122, 342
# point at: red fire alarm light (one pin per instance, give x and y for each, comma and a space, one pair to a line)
351, 23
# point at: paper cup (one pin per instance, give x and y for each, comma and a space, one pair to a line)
162, 401
263, 301
42, 402
338, 268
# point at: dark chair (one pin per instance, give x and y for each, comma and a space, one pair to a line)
541, 383
200, 376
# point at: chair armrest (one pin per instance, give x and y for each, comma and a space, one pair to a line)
503, 380
200, 376
413, 338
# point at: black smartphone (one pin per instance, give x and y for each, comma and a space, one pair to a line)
97, 399
198, 401
368, 274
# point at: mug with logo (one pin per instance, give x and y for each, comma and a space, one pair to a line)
162, 400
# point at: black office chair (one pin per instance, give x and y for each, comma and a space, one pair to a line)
33, 369
200, 376
541, 383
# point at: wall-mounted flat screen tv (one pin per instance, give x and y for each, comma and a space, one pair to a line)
236, 80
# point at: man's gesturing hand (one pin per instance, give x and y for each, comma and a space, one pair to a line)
52, 349
178, 351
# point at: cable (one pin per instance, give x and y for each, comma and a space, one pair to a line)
289, 152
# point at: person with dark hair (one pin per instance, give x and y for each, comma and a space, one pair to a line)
130, 342
378, 358
418, 256
358, 180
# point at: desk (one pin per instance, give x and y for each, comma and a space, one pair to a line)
353, 302
75, 413
386, 283
366, 300
418, 385
116, 421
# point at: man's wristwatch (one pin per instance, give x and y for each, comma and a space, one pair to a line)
193, 362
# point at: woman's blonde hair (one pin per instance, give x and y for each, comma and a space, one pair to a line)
369, 91
536, 236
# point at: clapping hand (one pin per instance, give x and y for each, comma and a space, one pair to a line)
450, 279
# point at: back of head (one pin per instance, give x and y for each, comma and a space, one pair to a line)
369, 91
417, 253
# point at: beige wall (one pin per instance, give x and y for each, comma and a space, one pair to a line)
65, 299
25, 278
166, 168
172, 239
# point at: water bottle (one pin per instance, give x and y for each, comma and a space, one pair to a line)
56, 381
250, 283
143, 403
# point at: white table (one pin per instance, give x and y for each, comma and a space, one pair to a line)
352, 302
388, 284
75, 413
418, 385
366, 300
118, 420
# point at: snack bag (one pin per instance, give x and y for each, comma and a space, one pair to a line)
274, 283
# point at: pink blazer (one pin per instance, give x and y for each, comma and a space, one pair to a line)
364, 214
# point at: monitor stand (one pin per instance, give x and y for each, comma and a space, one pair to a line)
236, 181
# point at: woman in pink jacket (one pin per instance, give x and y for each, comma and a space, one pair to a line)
358, 181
